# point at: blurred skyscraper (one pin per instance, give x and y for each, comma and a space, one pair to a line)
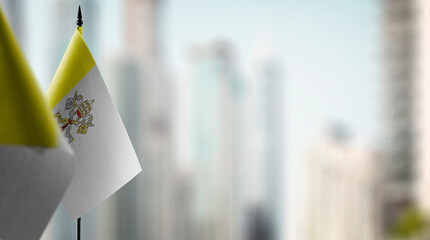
270, 82
398, 83
156, 97
264, 141
422, 107
119, 217
144, 97
406, 76
342, 191
216, 94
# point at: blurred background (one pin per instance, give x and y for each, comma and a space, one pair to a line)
254, 120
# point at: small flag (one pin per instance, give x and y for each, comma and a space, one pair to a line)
89, 121
36, 165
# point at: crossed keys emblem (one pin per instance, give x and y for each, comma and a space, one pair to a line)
78, 116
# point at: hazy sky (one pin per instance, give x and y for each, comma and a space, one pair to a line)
328, 49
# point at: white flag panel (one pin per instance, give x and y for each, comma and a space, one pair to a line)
106, 160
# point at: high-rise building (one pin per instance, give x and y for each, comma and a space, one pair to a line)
406, 83
155, 191
264, 139
216, 94
399, 70
422, 107
118, 217
271, 111
342, 197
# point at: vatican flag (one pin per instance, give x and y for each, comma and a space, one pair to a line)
36, 164
90, 122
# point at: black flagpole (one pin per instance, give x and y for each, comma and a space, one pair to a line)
79, 22
79, 229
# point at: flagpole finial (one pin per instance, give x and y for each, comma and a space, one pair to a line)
79, 22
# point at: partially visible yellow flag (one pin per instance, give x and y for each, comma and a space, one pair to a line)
36, 165
25, 117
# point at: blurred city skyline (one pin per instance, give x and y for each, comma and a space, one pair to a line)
327, 53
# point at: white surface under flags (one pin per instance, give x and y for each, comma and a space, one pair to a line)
106, 160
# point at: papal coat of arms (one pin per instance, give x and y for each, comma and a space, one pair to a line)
79, 116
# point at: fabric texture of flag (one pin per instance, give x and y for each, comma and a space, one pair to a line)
36, 164
91, 124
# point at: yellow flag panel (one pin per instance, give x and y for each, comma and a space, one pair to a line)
25, 118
